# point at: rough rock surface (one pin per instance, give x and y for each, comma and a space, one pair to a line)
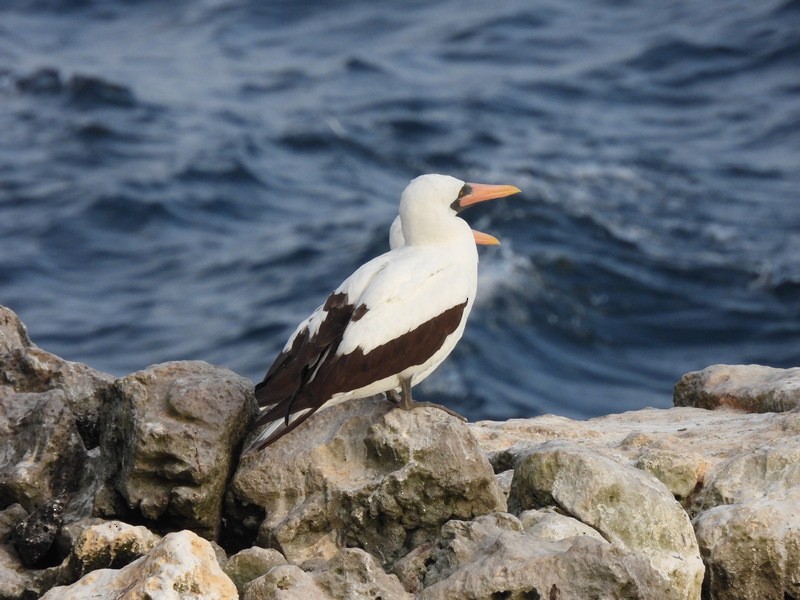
251, 563
182, 566
14, 581
751, 388
491, 557
34, 535
685, 445
706, 458
362, 488
109, 544
771, 469
548, 524
171, 439
375, 477
13, 333
27, 368
351, 573
752, 549
41, 449
34, 370
629, 508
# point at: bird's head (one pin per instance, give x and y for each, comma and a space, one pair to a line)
430, 204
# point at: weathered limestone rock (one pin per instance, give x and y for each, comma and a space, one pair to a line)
171, 438
459, 543
181, 567
491, 558
362, 474
680, 472
504, 482
24, 368
109, 544
414, 489
284, 582
752, 549
13, 582
769, 470
251, 563
16, 581
751, 388
681, 446
42, 452
629, 508
351, 573
34, 535
34, 370
547, 524
705, 458
13, 333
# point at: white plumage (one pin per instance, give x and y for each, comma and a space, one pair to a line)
393, 321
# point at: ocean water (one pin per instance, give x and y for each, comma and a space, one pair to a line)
188, 180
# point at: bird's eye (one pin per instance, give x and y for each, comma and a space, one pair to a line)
456, 205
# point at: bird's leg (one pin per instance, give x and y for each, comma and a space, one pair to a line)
407, 403
393, 396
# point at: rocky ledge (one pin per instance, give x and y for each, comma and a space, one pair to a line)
134, 487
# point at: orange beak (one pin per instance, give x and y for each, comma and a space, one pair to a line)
480, 192
485, 239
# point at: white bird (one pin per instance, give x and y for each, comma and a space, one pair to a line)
397, 239
393, 321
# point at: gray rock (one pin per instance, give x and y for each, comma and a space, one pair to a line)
18, 582
109, 544
41, 453
504, 563
680, 472
682, 447
31, 369
13, 333
15, 582
34, 535
462, 542
504, 482
752, 549
725, 457
629, 508
251, 563
173, 430
547, 524
24, 368
770, 470
10, 517
362, 474
751, 388
284, 582
351, 573
181, 566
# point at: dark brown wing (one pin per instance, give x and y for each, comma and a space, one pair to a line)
358, 369
293, 367
330, 374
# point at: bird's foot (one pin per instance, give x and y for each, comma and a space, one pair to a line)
414, 404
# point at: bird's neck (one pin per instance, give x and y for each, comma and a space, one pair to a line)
434, 228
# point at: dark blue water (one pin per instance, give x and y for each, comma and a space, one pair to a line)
188, 180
